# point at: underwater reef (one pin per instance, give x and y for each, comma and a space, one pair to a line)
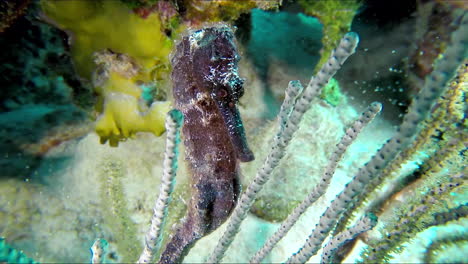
250, 131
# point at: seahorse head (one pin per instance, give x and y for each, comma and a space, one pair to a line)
205, 66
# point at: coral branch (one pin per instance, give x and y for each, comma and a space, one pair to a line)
364, 224
417, 112
320, 189
293, 90
153, 236
407, 225
345, 49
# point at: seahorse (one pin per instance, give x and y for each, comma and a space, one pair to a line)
206, 89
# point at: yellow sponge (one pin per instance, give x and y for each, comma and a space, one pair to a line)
124, 111
120, 51
98, 25
121, 118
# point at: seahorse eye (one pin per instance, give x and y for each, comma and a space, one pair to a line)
222, 93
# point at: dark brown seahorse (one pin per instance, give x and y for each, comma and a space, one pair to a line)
206, 89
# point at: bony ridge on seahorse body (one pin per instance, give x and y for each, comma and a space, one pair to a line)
206, 90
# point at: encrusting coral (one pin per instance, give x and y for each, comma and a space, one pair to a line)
336, 17
225, 10
196, 12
